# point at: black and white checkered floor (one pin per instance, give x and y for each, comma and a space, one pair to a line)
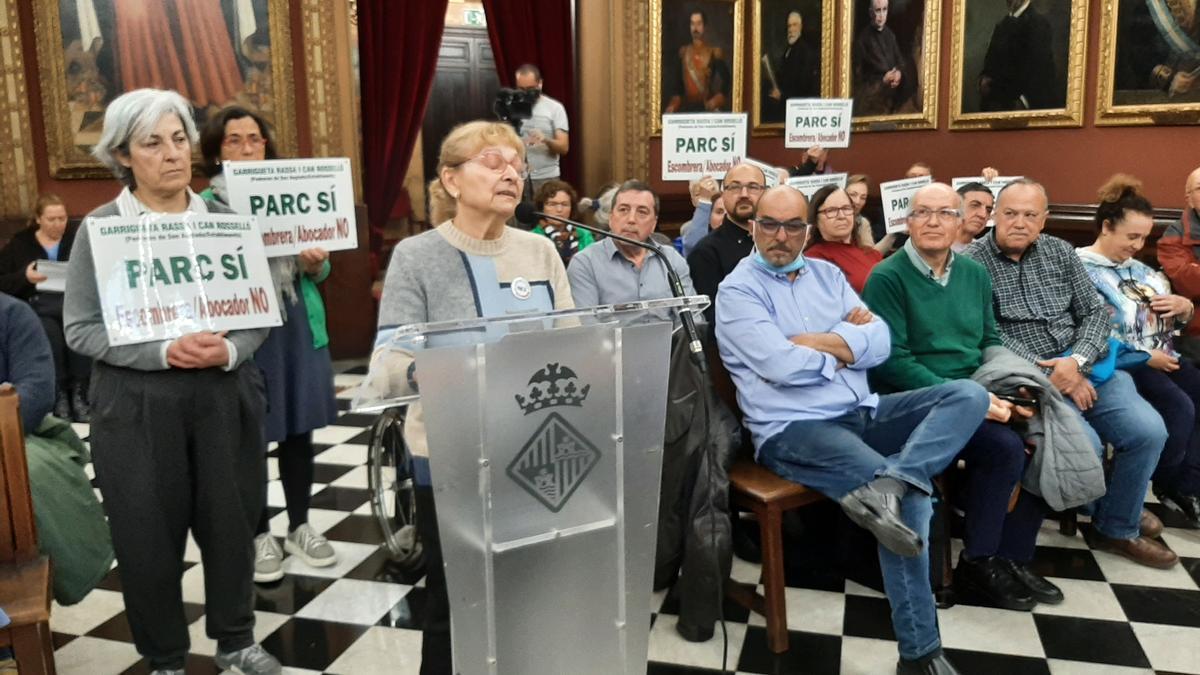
360, 617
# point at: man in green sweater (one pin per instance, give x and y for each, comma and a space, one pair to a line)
938, 306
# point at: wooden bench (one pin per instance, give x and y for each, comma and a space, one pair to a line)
25, 589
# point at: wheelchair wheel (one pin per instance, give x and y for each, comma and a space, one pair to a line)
393, 500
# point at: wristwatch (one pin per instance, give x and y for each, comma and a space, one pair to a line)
1081, 360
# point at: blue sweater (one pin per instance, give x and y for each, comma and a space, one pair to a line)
25, 360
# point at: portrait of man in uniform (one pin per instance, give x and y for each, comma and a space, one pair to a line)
790, 59
1157, 52
698, 59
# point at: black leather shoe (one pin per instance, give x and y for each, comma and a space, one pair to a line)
1187, 506
937, 664
80, 410
879, 513
988, 580
1037, 585
62, 406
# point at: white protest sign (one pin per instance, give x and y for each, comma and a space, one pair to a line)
300, 203
770, 172
702, 144
896, 195
810, 184
995, 186
163, 276
818, 121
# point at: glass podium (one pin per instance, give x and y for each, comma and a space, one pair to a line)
545, 439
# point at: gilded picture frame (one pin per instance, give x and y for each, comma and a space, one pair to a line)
912, 102
1144, 46
77, 83
767, 116
671, 33
1050, 94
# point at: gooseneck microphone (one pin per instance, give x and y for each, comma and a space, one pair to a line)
527, 214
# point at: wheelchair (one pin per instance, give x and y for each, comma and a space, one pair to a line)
391, 483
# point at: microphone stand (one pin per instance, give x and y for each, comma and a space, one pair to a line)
695, 346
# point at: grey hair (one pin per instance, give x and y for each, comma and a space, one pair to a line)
132, 116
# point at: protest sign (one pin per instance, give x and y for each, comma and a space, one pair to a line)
163, 276
995, 186
299, 203
818, 121
895, 196
702, 144
810, 184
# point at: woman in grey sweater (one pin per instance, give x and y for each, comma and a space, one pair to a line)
471, 265
176, 429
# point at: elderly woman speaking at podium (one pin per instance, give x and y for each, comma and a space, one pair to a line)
471, 265
176, 430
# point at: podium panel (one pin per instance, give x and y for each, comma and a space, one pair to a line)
545, 439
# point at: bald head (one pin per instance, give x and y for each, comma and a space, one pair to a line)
779, 208
934, 218
935, 191
1193, 189
782, 203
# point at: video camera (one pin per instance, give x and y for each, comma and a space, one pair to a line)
514, 105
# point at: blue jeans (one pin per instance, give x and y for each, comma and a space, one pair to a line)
912, 437
1137, 433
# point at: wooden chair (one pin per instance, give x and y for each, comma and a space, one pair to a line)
768, 496
754, 488
25, 589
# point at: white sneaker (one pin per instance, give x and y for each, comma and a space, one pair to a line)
311, 547
268, 559
253, 660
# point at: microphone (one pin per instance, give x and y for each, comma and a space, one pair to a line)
527, 214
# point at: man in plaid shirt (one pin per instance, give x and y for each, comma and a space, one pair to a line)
1048, 311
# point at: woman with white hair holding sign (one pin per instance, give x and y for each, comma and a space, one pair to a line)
176, 431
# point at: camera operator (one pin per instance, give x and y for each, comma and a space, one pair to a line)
545, 131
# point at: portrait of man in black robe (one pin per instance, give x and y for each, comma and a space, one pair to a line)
884, 67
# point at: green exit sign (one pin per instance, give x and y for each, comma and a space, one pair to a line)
474, 17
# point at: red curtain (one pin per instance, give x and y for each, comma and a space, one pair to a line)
398, 46
541, 32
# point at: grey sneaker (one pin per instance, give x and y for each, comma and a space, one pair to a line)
268, 559
253, 660
169, 671
311, 547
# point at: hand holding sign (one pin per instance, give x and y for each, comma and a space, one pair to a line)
198, 350
313, 259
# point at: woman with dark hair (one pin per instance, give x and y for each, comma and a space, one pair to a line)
557, 198
48, 237
836, 237
294, 359
1145, 315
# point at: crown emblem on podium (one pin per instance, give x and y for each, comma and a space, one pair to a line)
554, 462
550, 387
